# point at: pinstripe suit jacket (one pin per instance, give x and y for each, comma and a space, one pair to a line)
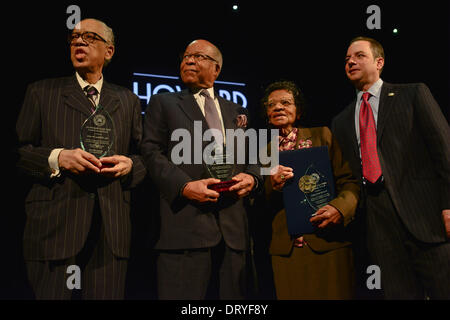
414, 150
184, 224
59, 210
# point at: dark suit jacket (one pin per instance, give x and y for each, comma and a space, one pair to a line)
59, 210
414, 150
184, 224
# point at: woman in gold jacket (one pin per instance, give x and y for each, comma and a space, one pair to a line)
319, 265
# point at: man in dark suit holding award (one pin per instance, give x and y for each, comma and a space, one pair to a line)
203, 232
397, 143
77, 232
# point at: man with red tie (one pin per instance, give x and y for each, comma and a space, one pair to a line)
396, 140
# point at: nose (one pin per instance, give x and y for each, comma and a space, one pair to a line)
190, 60
351, 62
278, 107
79, 42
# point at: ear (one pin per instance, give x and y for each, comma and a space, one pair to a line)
380, 63
110, 49
217, 69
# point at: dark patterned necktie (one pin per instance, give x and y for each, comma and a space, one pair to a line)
371, 168
211, 114
91, 93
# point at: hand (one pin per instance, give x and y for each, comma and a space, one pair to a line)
245, 184
116, 166
198, 190
78, 161
299, 242
446, 218
280, 176
327, 216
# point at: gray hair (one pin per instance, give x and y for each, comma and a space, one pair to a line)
108, 32
109, 35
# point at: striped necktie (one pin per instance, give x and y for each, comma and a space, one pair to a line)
91, 93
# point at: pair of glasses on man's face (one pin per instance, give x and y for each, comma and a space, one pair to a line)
88, 36
197, 57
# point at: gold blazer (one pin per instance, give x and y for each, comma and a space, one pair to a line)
347, 190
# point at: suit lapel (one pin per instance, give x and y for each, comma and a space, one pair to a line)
385, 108
190, 108
303, 134
227, 116
109, 99
75, 97
350, 119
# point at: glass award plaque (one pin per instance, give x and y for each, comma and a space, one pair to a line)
97, 133
220, 165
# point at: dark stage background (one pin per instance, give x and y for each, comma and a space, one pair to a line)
260, 42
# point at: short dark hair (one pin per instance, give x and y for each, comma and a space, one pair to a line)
375, 46
289, 86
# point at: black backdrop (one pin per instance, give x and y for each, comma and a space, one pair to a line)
260, 42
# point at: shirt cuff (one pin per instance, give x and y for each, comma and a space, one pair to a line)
53, 162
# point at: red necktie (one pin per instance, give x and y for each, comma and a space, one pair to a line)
371, 168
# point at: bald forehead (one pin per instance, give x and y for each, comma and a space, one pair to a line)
89, 23
207, 47
201, 44
93, 25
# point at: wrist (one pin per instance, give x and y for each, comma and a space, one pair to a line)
53, 162
183, 189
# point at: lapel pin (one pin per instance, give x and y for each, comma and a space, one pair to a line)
391, 94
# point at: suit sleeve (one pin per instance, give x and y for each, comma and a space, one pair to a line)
435, 130
138, 172
347, 188
166, 175
32, 157
253, 169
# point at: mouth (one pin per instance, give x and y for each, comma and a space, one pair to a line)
80, 53
351, 71
278, 116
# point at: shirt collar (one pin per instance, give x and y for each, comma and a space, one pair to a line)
374, 90
98, 85
210, 91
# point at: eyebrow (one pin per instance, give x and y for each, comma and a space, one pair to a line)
349, 55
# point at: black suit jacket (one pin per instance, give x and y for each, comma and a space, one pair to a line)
59, 210
413, 141
184, 224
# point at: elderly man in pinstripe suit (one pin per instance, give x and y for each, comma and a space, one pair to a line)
397, 142
78, 210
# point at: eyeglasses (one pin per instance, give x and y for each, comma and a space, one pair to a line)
87, 36
284, 102
197, 57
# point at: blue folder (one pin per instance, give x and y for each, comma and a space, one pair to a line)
311, 187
